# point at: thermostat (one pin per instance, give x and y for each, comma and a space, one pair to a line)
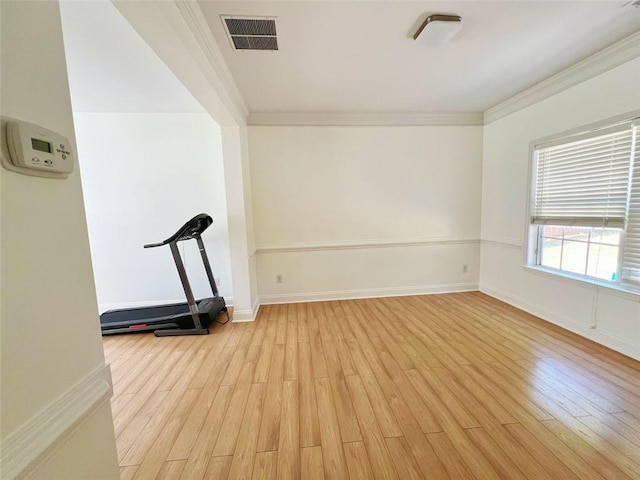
34, 150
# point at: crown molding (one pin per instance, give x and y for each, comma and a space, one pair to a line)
197, 24
602, 61
363, 119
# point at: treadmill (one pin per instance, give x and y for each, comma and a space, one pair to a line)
190, 318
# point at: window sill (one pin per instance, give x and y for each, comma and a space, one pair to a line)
624, 291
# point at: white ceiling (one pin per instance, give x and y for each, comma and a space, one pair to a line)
112, 69
358, 56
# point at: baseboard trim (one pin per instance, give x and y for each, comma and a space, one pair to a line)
270, 299
240, 316
26, 448
618, 344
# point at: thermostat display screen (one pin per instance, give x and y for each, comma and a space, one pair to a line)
40, 145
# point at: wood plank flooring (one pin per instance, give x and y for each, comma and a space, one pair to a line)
456, 386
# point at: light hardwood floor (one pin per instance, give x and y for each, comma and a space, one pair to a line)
454, 386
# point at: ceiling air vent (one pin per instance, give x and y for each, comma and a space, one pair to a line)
251, 33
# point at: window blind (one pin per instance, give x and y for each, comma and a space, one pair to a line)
584, 182
631, 255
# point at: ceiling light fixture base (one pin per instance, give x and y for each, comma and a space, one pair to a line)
438, 29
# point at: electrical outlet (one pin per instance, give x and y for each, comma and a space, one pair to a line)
465, 268
278, 278
217, 279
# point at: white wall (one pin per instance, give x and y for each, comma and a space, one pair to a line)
360, 211
571, 304
163, 170
238, 181
179, 35
50, 336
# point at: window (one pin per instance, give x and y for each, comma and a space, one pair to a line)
585, 215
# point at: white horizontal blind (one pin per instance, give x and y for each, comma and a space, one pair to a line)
584, 182
631, 258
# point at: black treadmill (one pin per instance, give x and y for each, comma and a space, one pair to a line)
190, 318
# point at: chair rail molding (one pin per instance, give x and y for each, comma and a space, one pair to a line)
363, 244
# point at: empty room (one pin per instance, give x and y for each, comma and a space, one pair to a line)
343, 239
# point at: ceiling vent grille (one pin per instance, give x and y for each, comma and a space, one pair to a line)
251, 33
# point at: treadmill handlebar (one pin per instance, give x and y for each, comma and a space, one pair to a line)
152, 245
192, 229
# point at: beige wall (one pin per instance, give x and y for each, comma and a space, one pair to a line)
50, 337
82, 456
328, 201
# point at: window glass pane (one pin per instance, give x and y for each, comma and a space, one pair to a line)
552, 231
604, 235
577, 233
574, 256
569, 251
551, 252
603, 261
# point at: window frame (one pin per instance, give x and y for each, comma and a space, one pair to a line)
532, 235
